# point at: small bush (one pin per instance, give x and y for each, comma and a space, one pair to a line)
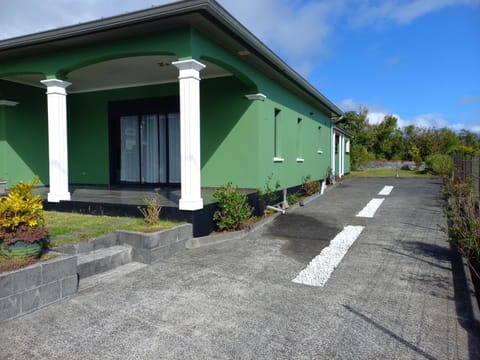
151, 210
310, 187
233, 208
439, 164
21, 215
269, 194
294, 198
360, 156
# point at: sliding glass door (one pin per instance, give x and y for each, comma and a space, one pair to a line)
150, 149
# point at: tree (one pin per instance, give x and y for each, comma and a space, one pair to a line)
363, 137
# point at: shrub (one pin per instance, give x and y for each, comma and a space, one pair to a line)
440, 164
416, 157
463, 220
151, 210
233, 208
21, 215
360, 156
294, 198
310, 187
269, 194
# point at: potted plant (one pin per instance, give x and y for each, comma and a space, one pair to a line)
22, 231
3, 186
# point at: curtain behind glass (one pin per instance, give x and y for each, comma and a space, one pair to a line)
162, 133
149, 136
174, 147
130, 149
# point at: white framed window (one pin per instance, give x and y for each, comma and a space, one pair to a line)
276, 136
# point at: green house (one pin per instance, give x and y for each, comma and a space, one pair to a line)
180, 95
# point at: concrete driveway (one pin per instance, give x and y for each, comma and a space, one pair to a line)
393, 295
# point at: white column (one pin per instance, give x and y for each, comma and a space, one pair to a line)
57, 139
332, 160
189, 76
341, 164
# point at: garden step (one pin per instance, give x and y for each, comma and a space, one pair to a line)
110, 275
102, 260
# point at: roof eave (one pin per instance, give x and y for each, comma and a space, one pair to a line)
168, 10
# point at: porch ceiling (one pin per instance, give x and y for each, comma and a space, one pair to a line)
124, 72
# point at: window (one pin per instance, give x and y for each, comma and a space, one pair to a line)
299, 140
319, 140
276, 140
347, 146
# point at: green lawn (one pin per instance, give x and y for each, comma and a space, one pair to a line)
390, 173
65, 228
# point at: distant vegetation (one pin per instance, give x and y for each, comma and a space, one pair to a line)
386, 141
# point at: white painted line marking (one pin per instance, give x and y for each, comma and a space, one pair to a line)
321, 267
387, 189
369, 210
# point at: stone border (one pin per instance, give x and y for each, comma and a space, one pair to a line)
151, 247
33, 287
219, 238
147, 247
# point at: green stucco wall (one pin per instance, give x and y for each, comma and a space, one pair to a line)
23, 133
252, 138
229, 127
347, 163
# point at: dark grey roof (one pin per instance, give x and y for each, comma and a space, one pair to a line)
207, 16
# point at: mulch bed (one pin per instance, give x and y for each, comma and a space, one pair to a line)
15, 264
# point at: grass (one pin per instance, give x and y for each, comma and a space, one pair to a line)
390, 173
67, 228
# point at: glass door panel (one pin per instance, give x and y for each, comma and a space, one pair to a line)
150, 149
163, 153
174, 148
129, 149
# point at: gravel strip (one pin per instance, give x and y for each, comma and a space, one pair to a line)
369, 210
321, 267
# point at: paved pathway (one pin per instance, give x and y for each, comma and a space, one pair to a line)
392, 297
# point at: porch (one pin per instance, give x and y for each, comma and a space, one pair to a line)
124, 201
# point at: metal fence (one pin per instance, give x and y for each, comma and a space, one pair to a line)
467, 169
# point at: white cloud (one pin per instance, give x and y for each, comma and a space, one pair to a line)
376, 113
297, 30
21, 17
400, 11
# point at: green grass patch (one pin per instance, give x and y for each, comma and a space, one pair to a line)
390, 173
66, 228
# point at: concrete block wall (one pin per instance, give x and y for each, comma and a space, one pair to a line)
28, 289
152, 247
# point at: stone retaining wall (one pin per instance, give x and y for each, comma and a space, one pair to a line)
28, 289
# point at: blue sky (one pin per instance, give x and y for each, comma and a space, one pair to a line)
416, 59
